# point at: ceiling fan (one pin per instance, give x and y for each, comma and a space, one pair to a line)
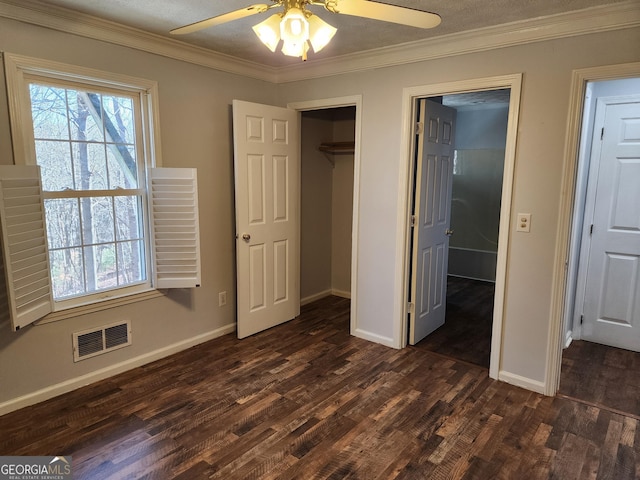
297, 27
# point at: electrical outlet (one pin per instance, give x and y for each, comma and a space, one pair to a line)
222, 299
524, 222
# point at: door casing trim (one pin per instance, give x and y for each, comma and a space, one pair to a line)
409, 97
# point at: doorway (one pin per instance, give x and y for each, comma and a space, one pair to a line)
352, 102
598, 362
410, 95
476, 185
601, 97
565, 259
326, 202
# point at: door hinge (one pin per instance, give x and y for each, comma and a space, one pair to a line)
411, 307
419, 128
412, 221
591, 229
581, 319
602, 133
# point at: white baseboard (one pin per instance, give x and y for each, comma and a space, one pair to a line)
471, 278
315, 296
340, 293
74, 383
523, 382
568, 339
473, 263
323, 294
374, 337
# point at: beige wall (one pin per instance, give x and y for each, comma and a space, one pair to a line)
547, 68
195, 112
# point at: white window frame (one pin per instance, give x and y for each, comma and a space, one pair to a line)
180, 184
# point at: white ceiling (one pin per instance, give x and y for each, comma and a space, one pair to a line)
354, 34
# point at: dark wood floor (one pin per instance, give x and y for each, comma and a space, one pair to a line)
307, 401
602, 375
599, 375
466, 333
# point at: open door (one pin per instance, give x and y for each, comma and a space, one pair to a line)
431, 219
267, 184
611, 314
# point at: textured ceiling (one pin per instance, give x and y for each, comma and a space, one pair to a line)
354, 34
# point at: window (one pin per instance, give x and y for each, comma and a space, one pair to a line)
115, 225
93, 176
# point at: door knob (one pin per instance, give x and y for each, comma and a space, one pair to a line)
448, 232
246, 237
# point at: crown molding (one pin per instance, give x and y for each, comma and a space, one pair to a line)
591, 20
87, 26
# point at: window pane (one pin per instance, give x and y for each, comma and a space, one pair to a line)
122, 166
85, 110
101, 267
127, 218
49, 112
130, 262
97, 220
54, 159
63, 222
119, 122
66, 272
90, 166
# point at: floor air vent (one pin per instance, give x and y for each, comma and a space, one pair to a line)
90, 343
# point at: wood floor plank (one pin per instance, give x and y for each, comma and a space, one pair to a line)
537, 462
625, 466
305, 400
571, 456
589, 470
594, 373
609, 452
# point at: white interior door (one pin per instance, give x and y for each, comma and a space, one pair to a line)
432, 213
267, 185
611, 313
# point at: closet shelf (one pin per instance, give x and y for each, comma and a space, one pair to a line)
336, 148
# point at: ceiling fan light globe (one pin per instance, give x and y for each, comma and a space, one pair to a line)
320, 33
268, 31
294, 27
295, 49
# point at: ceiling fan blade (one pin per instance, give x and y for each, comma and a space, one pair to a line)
388, 13
224, 18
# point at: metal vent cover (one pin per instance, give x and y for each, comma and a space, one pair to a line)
89, 343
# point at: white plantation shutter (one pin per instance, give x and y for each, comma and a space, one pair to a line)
4, 299
24, 244
174, 222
